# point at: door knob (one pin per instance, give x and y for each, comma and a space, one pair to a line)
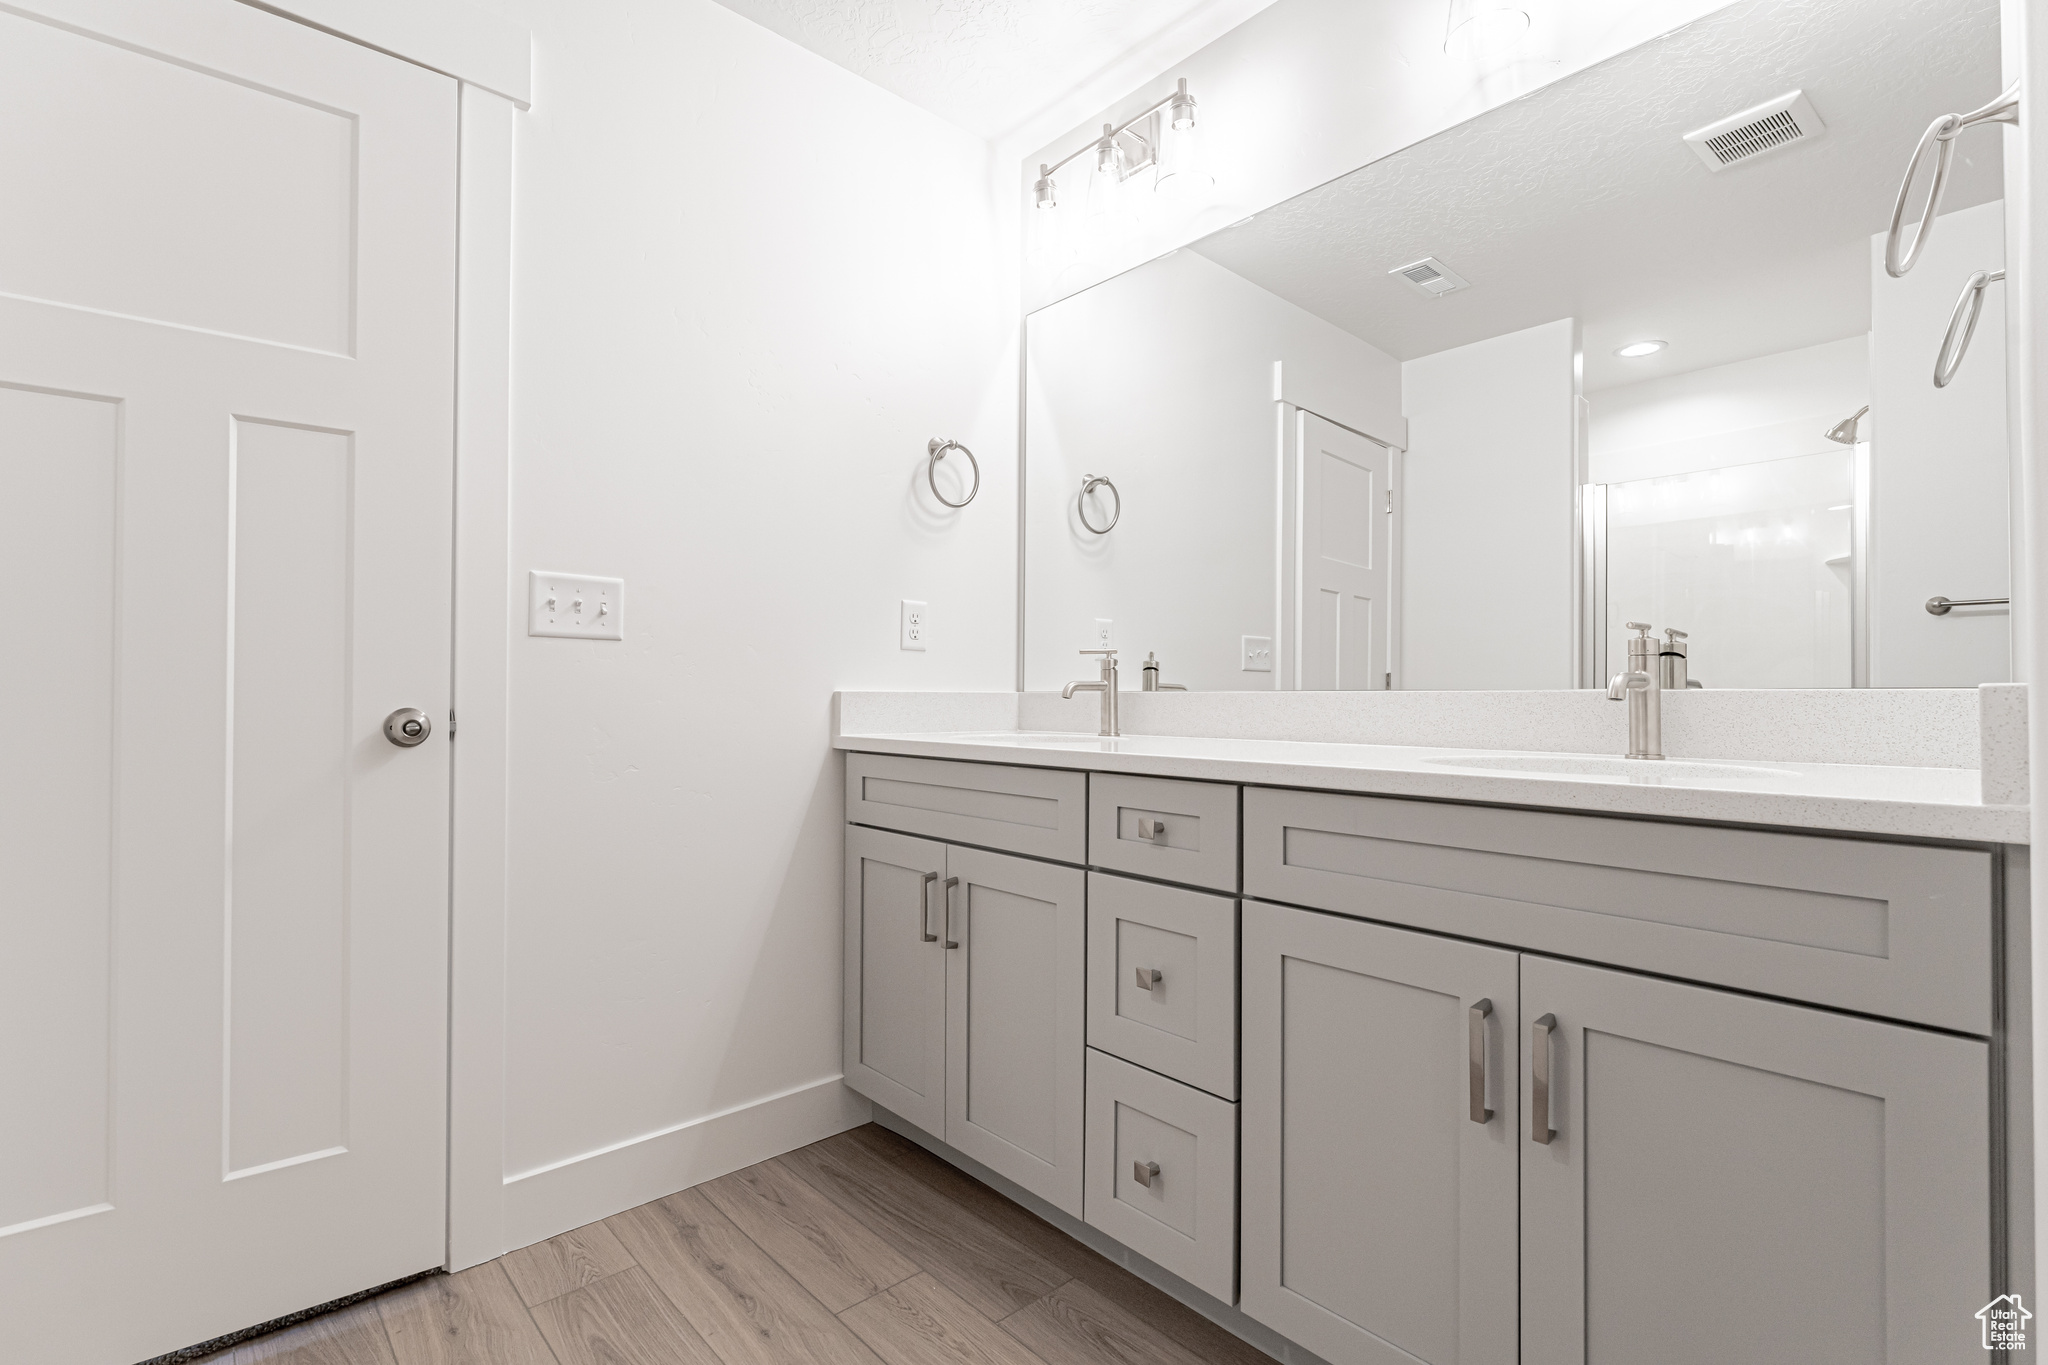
407, 726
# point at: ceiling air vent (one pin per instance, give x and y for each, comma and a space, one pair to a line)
1761, 128
1431, 276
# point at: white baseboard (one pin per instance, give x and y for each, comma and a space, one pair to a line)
552, 1199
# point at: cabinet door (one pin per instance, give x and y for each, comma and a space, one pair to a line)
1015, 1014
894, 1039
1737, 1179
1379, 1218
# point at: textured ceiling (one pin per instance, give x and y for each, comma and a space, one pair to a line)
1581, 200
991, 66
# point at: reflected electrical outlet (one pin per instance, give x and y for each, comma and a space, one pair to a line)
1257, 655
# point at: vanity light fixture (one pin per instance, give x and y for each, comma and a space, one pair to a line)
1636, 350
1125, 149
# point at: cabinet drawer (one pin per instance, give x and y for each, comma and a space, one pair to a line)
1037, 811
1175, 831
1181, 1018
1896, 930
1162, 1172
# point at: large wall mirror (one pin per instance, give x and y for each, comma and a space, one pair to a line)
1409, 429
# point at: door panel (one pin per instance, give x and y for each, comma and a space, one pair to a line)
226, 436
1379, 1219
59, 475
1015, 1019
1345, 573
1721, 1164
895, 1027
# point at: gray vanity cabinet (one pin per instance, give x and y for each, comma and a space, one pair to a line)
1735, 1179
964, 1001
1378, 1217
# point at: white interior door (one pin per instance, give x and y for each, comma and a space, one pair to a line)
226, 429
1346, 538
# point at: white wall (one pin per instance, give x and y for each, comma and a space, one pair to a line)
1769, 408
1308, 90
748, 287
1162, 380
1939, 466
1487, 545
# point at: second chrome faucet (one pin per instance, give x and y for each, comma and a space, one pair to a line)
1106, 685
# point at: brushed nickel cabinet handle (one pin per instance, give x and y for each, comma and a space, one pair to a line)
924, 909
1145, 1172
1148, 977
1475, 1037
1540, 1128
947, 892
1151, 830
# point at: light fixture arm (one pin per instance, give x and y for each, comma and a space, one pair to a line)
1179, 97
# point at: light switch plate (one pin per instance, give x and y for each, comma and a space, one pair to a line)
912, 630
575, 605
1257, 654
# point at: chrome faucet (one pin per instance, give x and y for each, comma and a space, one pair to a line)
1642, 687
1106, 685
1149, 676
1672, 663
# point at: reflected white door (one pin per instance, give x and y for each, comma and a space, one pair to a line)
226, 430
1345, 536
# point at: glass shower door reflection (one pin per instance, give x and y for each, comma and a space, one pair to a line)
1753, 561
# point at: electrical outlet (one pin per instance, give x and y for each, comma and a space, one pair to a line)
576, 606
1257, 654
1101, 636
915, 616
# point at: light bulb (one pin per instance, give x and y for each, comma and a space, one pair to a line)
1181, 171
1109, 157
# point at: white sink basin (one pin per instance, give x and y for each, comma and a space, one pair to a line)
1632, 769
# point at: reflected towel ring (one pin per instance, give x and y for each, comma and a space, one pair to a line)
2004, 109
1089, 483
1950, 358
938, 449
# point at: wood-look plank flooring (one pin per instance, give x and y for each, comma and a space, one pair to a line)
863, 1249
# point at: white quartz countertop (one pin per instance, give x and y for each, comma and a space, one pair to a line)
1917, 802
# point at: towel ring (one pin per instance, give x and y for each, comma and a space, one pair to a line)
938, 449
1898, 259
1950, 357
1089, 483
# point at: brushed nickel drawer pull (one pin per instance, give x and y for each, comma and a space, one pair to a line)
1540, 1127
1151, 829
947, 892
1148, 977
1145, 1172
924, 909
1475, 1030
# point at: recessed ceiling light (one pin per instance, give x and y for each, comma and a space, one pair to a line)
1640, 348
